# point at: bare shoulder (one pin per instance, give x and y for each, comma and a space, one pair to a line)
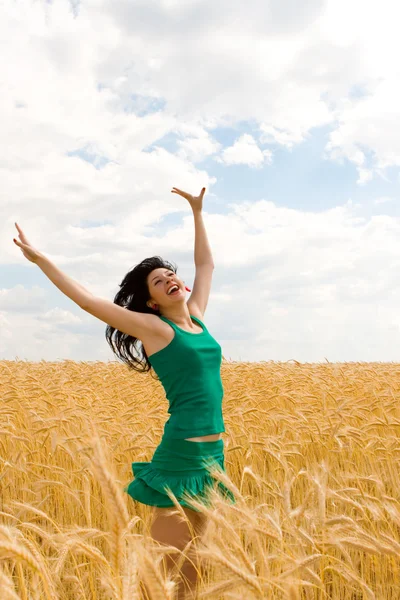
153, 326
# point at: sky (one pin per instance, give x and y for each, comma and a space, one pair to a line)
287, 112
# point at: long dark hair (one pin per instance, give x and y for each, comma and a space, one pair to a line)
133, 295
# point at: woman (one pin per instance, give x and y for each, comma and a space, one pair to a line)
151, 308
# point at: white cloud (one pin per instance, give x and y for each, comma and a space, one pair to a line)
20, 300
245, 151
369, 123
289, 75
58, 316
331, 277
271, 134
197, 149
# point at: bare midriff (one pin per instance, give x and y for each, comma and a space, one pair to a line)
206, 438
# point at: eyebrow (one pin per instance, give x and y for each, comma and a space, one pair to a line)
167, 271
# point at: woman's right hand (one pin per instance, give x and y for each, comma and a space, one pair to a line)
28, 250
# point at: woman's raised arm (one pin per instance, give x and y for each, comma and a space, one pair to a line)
74, 290
132, 323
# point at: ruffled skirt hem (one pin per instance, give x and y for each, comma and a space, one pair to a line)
150, 483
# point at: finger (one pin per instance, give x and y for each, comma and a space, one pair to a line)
22, 245
21, 234
25, 241
177, 191
183, 194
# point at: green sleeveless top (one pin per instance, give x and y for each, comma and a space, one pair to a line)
189, 369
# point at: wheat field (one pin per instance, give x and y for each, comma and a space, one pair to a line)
312, 454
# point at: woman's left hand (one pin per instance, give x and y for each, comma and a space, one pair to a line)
196, 202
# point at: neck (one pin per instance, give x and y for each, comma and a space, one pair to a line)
179, 315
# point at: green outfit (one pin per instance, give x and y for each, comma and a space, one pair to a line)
189, 369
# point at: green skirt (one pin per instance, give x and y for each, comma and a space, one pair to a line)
182, 466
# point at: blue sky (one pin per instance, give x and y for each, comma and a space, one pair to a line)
292, 129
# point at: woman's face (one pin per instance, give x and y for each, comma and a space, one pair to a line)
160, 282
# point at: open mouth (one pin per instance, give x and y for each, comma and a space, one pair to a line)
175, 290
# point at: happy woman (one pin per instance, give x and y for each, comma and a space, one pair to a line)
151, 308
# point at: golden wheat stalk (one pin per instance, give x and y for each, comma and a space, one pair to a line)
160, 588
219, 588
7, 588
14, 551
113, 495
349, 576
131, 575
214, 553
